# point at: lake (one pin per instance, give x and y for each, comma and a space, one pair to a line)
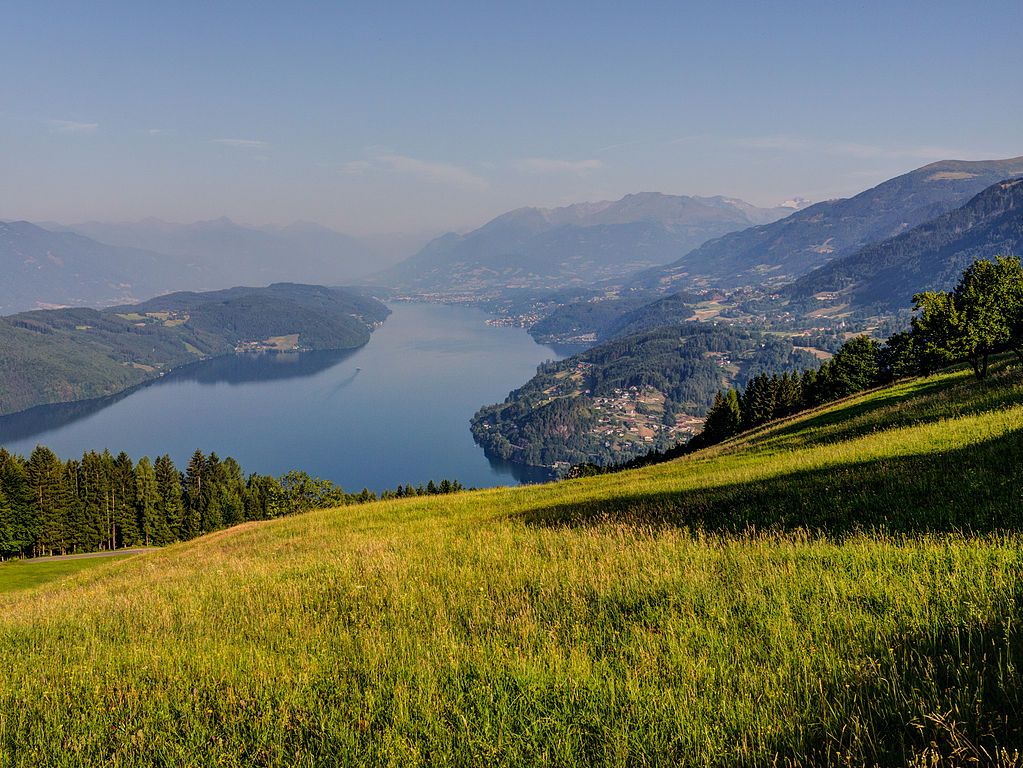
394, 411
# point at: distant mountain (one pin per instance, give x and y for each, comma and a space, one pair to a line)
930, 256
575, 245
43, 268
781, 251
228, 253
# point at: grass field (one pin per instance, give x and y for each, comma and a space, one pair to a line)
24, 574
842, 588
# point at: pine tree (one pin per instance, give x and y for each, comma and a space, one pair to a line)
24, 524
46, 478
123, 504
8, 545
153, 528
169, 503
77, 529
97, 495
194, 498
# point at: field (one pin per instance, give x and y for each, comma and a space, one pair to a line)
19, 575
841, 588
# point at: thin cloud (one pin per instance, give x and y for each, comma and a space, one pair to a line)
384, 159
158, 131
243, 143
71, 126
355, 167
554, 165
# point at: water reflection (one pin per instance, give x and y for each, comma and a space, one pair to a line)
230, 369
395, 411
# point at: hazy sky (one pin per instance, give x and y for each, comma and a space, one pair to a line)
440, 115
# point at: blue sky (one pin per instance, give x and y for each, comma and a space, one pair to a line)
392, 117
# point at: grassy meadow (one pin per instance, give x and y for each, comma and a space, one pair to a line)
22, 574
841, 588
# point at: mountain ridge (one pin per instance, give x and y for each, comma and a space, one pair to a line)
781, 251
928, 257
576, 244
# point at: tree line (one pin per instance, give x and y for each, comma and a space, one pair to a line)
981, 317
49, 506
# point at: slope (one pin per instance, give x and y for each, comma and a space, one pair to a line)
931, 256
786, 249
792, 597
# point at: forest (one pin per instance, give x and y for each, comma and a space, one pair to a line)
49, 506
64, 355
553, 417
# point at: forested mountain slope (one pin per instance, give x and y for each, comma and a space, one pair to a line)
55, 356
786, 249
641, 392
929, 257
841, 588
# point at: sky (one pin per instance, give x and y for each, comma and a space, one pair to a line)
423, 117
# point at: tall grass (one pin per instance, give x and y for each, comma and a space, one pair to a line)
699, 612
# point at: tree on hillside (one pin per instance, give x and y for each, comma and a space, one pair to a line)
1010, 281
855, 367
724, 418
899, 357
980, 317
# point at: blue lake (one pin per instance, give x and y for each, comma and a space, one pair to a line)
395, 411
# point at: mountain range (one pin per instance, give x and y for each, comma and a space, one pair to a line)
931, 256
45, 268
579, 244
778, 252
100, 264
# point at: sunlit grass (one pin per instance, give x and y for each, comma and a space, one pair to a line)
25, 574
837, 589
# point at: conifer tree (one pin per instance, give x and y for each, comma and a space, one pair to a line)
46, 480
169, 503
194, 498
24, 523
126, 528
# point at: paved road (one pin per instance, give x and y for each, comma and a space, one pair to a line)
105, 553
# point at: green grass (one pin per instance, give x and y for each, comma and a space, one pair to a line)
842, 588
25, 574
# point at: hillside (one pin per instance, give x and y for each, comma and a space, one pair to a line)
544, 248
928, 257
773, 253
625, 397
603, 318
58, 356
44, 268
842, 588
